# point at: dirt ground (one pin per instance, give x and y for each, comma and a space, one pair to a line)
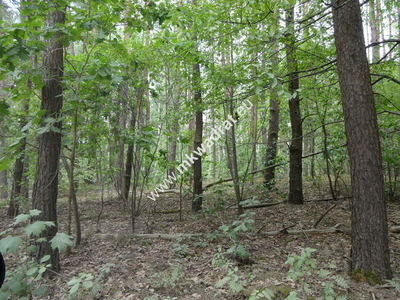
191, 268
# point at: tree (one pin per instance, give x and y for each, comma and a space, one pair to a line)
369, 235
45, 189
198, 135
296, 145
273, 133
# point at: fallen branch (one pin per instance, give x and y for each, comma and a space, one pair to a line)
170, 236
168, 191
323, 215
171, 211
166, 236
327, 199
334, 229
263, 205
394, 229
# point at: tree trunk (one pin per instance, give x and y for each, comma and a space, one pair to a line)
375, 29
296, 146
198, 139
369, 234
273, 131
45, 189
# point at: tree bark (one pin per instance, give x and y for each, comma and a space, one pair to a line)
198, 136
296, 145
45, 189
198, 139
19, 167
375, 29
369, 234
272, 140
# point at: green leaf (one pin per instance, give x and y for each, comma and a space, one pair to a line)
34, 212
32, 271
74, 281
4, 109
74, 289
87, 284
40, 291
21, 219
61, 241
32, 249
37, 228
10, 244
45, 258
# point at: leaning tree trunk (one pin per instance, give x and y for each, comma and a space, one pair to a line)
369, 230
296, 145
45, 189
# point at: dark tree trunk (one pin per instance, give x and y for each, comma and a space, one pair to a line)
198, 139
273, 132
369, 235
45, 189
296, 146
272, 146
3, 174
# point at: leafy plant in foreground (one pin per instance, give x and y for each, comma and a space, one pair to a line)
302, 266
244, 224
86, 285
25, 281
232, 280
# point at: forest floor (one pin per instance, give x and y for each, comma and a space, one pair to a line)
192, 268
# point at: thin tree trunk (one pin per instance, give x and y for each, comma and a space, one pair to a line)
369, 234
375, 29
45, 189
296, 146
72, 185
3, 174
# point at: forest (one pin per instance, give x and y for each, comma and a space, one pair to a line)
198, 149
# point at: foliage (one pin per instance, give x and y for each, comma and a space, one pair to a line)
26, 280
168, 278
262, 294
232, 280
180, 249
244, 224
86, 285
302, 266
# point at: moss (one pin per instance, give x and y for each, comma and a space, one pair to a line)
367, 276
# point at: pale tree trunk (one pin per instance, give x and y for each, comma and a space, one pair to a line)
175, 95
45, 189
254, 139
72, 199
296, 145
375, 28
214, 149
121, 125
230, 138
369, 229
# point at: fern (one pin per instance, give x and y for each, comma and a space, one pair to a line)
341, 282
235, 286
